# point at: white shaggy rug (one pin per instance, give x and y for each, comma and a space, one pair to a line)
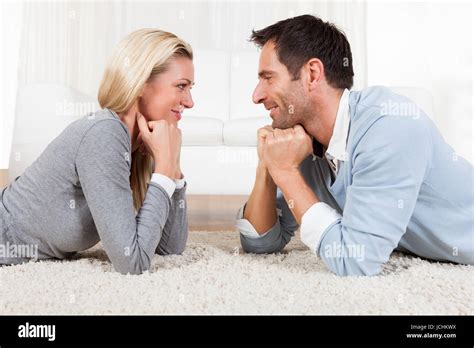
213, 276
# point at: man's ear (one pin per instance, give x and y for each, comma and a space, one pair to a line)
315, 70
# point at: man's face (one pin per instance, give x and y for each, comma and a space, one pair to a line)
277, 92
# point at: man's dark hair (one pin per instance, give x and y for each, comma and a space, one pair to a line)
301, 38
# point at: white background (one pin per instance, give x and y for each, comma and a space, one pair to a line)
421, 44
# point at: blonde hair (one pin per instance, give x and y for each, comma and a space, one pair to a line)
139, 56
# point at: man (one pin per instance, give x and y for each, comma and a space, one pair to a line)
359, 176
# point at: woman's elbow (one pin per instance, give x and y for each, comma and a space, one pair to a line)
176, 249
132, 268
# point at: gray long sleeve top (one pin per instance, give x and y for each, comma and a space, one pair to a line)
78, 192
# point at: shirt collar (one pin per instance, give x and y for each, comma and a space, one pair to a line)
337, 144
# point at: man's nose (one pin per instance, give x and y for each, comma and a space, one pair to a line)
258, 95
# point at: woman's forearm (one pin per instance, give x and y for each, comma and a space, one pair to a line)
175, 233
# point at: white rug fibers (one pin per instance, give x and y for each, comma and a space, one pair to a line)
213, 276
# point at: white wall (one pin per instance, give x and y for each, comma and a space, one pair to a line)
68, 43
427, 44
10, 30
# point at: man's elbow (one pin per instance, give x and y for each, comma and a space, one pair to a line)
259, 246
353, 268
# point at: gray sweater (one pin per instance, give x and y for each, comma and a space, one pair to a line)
78, 193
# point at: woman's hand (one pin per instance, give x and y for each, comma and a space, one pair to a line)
163, 141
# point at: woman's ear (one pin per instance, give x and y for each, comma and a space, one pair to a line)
133, 109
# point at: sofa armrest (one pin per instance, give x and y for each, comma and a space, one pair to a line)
3, 177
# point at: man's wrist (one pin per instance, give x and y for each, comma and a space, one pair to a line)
264, 175
261, 169
296, 191
284, 177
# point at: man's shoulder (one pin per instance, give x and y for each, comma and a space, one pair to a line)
375, 98
391, 111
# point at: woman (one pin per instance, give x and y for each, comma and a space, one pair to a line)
104, 168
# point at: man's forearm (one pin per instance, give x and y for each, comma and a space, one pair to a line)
298, 195
261, 205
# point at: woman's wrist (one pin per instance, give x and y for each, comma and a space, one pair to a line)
166, 171
178, 175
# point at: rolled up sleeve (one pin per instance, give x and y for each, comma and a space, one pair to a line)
273, 240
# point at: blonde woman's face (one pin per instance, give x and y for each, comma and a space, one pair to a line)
166, 95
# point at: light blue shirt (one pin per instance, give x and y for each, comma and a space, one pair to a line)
400, 187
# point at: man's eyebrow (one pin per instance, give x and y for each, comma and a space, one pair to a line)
189, 81
262, 73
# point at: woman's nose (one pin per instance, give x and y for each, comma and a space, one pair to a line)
188, 101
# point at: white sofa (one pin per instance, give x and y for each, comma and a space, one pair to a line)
219, 133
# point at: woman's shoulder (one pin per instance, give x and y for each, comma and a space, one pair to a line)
103, 118
103, 123
103, 139
101, 133
102, 127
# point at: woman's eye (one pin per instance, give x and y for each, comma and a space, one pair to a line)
182, 87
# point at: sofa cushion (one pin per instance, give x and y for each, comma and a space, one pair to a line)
243, 80
211, 91
42, 112
219, 170
243, 131
204, 131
